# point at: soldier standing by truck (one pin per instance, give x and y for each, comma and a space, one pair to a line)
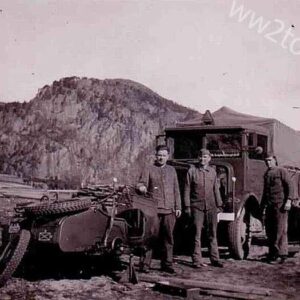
160, 181
203, 201
276, 201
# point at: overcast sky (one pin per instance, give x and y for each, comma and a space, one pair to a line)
192, 52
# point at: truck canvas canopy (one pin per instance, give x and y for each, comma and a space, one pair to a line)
283, 140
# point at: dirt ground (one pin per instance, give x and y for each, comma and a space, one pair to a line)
283, 281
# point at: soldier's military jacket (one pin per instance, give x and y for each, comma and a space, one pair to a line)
201, 189
277, 186
162, 184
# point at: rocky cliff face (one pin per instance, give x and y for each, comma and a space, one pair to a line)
81, 129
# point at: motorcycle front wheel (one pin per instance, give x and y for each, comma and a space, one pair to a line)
11, 254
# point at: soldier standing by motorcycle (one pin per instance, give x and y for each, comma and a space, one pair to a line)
276, 201
160, 181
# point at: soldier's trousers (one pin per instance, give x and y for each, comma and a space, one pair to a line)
166, 240
210, 216
276, 230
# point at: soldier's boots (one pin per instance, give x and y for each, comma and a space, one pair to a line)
168, 269
278, 260
217, 263
198, 265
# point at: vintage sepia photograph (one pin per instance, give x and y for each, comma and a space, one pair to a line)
149, 149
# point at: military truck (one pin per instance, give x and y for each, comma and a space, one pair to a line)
238, 144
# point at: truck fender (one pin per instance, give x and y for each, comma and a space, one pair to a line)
251, 204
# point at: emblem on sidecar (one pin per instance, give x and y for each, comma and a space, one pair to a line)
45, 236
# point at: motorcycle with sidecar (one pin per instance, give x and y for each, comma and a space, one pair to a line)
97, 220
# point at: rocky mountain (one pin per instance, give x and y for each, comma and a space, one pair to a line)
81, 129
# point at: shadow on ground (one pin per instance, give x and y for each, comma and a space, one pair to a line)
52, 265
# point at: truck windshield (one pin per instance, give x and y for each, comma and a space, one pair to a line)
186, 145
224, 145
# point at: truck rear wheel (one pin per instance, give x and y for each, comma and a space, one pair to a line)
239, 235
12, 255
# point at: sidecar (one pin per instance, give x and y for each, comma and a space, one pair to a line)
81, 225
99, 230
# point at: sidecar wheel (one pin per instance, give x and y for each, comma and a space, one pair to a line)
12, 255
58, 208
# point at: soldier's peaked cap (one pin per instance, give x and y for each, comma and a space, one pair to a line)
204, 152
270, 155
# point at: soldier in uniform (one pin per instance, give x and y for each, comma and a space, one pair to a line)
160, 181
203, 202
276, 202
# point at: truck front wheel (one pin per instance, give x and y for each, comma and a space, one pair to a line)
239, 235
